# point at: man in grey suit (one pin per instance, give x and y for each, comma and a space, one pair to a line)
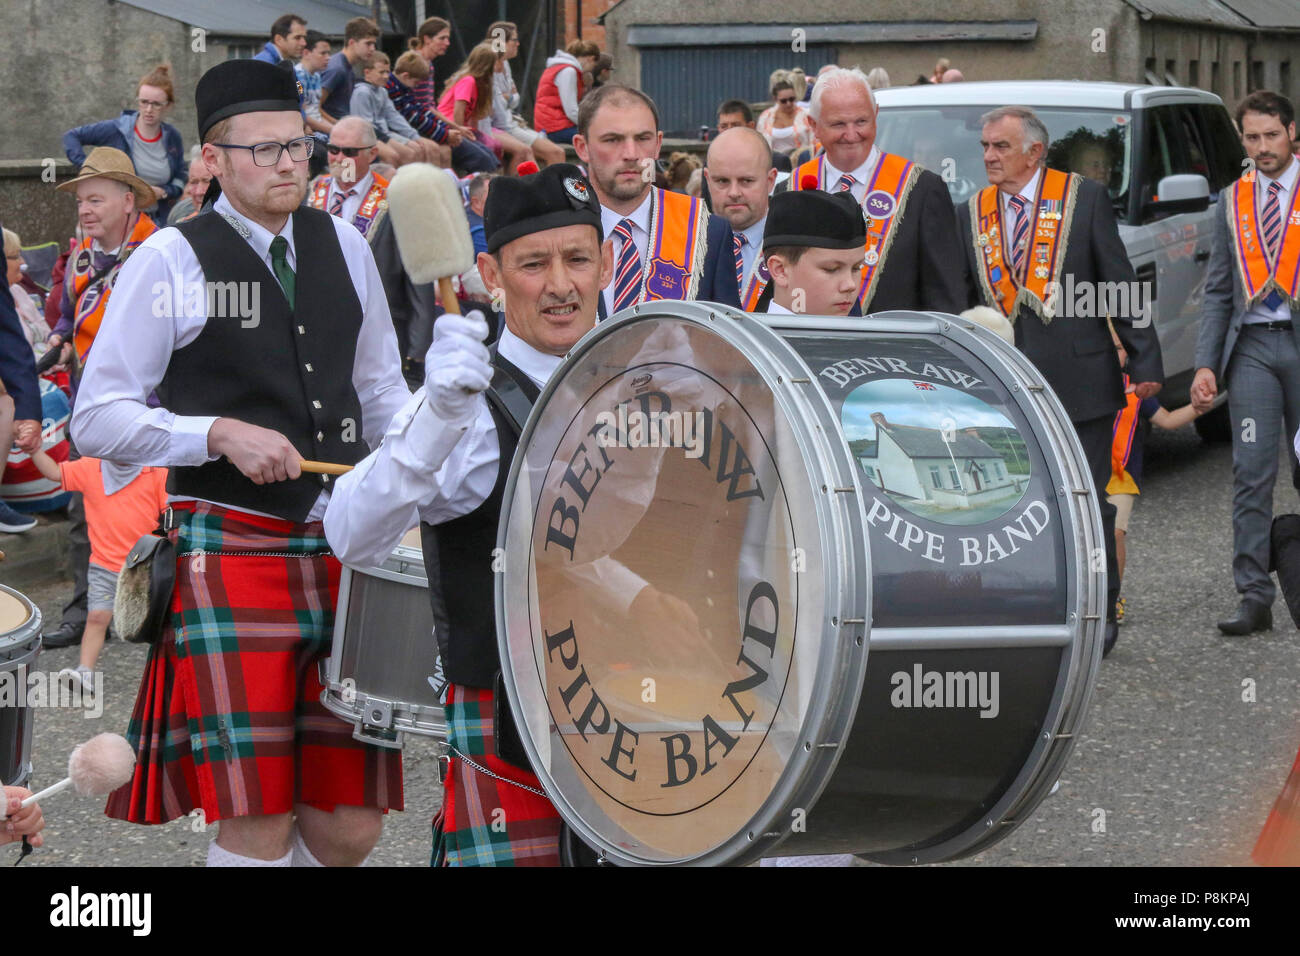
1249, 338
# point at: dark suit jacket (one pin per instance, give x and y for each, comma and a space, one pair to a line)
1224, 305
924, 268
17, 363
718, 283
413, 306
1075, 353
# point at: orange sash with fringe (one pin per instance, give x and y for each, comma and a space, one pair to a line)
90, 298
1048, 231
1259, 276
882, 204
674, 260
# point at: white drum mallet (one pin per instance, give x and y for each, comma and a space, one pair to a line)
96, 768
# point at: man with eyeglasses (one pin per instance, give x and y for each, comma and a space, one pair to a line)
351, 190
262, 327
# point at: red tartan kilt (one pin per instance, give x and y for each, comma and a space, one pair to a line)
228, 717
486, 820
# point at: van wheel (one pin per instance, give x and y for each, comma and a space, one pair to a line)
1215, 426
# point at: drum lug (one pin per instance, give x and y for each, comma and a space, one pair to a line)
379, 713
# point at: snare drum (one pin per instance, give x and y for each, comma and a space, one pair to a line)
383, 674
20, 641
794, 585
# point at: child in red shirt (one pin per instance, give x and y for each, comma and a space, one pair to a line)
122, 503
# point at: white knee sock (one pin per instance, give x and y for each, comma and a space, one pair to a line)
218, 856
301, 855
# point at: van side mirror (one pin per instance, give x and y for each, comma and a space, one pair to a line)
1181, 193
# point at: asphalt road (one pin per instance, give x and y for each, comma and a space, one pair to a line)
1181, 768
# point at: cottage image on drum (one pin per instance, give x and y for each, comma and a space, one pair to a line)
941, 453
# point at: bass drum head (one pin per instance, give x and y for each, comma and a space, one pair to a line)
682, 613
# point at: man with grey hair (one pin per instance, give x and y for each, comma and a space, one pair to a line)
1032, 232
913, 258
351, 190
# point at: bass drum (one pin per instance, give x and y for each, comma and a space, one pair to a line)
782, 585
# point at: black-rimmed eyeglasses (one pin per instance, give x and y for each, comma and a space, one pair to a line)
268, 154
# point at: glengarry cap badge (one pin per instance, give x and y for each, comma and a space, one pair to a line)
577, 189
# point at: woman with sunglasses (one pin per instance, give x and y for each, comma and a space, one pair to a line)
155, 147
784, 125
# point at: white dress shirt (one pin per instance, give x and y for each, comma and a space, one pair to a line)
352, 203
1259, 312
749, 251
408, 480
158, 305
640, 218
861, 175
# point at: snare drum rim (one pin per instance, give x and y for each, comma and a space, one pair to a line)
25, 632
1086, 590
12, 643
846, 587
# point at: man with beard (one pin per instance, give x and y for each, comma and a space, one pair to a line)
263, 329
351, 190
1249, 338
667, 244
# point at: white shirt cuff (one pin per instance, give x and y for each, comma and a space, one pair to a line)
430, 440
188, 443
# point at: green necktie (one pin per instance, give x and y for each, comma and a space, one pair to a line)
280, 265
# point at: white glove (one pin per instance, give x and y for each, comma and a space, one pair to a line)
457, 366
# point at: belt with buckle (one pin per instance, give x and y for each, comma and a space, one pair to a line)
1283, 325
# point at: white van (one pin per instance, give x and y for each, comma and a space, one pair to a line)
1132, 139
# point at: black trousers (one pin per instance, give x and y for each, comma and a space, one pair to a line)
74, 612
1097, 435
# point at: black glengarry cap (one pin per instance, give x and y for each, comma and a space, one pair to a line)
559, 195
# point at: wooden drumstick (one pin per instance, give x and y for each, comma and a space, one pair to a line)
323, 467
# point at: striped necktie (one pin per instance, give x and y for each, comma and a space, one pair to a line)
627, 272
740, 261
337, 201
1021, 239
1272, 227
845, 184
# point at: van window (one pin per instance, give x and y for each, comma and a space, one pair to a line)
945, 140
1224, 145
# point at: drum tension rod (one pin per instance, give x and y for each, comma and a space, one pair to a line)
1081, 491
1092, 617
843, 490
800, 381
854, 620
1034, 388
1064, 737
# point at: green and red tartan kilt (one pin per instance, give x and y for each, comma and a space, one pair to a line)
228, 717
485, 821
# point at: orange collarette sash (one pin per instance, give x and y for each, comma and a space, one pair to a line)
755, 283
674, 261
373, 203
883, 204
1259, 276
91, 298
1049, 232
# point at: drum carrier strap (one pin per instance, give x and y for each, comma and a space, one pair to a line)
511, 391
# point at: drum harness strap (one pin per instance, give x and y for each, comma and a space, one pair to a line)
512, 393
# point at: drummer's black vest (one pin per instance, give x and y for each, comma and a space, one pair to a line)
288, 370
458, 553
